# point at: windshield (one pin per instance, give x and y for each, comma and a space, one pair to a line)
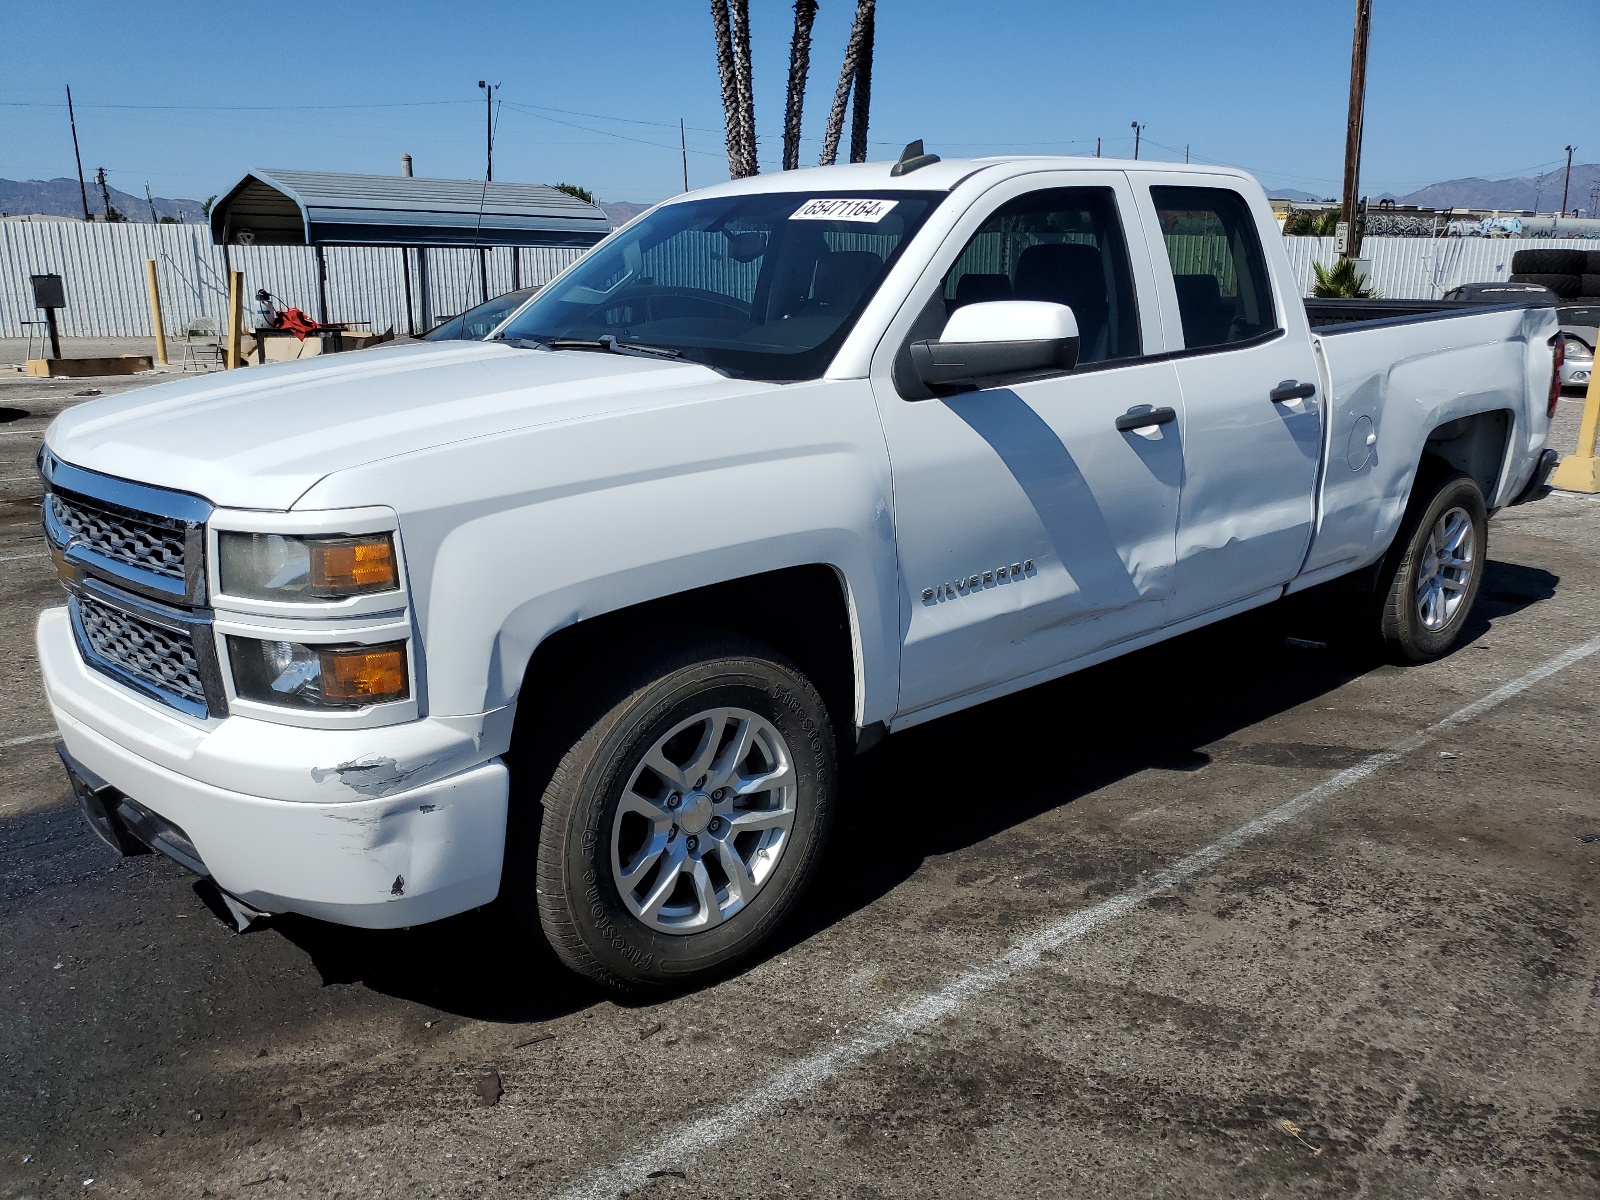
758, 286
476, 323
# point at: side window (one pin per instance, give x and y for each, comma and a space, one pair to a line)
1217, 265
1063, 245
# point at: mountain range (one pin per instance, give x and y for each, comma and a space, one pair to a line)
1541, 193
1536, 193
60, 198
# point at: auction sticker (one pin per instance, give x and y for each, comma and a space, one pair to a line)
848, 209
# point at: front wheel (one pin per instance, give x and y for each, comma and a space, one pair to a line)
1434, 581
684, 823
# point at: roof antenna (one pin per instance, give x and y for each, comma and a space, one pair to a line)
912, 159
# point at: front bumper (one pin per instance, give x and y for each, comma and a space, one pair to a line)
378, 828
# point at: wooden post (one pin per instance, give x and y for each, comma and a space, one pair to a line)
1352, 130
155, 311
1579, 472
235, 318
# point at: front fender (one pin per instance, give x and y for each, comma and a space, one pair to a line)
511, 538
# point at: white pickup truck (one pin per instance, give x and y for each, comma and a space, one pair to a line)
583, 616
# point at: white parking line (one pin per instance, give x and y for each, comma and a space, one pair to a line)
32, 737
674, 1150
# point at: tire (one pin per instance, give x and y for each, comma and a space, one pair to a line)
1591, 284
1564, 286
603, 811
1419, 625
1549, 262
1591, 262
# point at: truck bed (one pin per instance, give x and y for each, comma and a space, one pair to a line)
1396, 372
1343, 316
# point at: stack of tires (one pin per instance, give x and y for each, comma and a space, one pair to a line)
1573, 275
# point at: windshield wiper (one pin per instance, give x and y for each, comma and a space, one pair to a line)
610, 345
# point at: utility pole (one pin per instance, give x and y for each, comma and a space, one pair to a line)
489, 90
1186, 152
683, 149
1137, 130
83, 192
1566, 183
1352, 133
154, 220
105, 191
1097, 147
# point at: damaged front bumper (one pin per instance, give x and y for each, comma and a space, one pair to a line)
378, 828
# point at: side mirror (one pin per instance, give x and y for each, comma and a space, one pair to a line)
983, 343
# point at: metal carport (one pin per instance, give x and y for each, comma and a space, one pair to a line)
275, 207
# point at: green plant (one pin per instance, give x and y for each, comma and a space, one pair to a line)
1304, 223
1340, 281
205, 208
576, 192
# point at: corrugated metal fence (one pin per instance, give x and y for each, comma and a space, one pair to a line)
1424, 268
103, 266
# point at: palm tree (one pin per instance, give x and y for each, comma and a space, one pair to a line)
730, 20
1340, 281
805, 12
863, 97
740, 10
850, 73
1305, 223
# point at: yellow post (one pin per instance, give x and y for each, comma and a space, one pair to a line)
1579, 472
235, 317
155, 311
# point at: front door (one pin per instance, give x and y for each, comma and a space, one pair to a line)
1032, 531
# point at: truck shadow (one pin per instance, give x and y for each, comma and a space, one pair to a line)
914, 797
958, 781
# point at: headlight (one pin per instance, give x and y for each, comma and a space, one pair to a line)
301, 676
275, 566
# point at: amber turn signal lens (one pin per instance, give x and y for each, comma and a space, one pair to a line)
365, 565
364, 674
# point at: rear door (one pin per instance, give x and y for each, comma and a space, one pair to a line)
1032, 531
1253, 430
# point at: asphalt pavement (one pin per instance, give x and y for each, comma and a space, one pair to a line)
1250, 914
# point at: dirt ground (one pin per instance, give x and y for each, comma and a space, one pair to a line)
1380, 977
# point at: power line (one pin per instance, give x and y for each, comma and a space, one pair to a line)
234, 107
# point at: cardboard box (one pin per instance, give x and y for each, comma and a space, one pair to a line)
87, 368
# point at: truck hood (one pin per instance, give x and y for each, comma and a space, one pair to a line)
260, 437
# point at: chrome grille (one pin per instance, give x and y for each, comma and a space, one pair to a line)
150, 653
126, 537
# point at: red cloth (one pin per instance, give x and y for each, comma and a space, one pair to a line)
297, 323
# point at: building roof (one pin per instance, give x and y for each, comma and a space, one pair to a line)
273, 207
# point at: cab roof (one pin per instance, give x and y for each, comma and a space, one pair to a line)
942, 176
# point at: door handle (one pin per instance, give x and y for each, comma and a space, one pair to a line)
1292, 389
1144, 418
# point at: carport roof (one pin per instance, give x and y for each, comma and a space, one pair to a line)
274, 207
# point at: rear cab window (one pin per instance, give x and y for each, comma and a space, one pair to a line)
1218, 268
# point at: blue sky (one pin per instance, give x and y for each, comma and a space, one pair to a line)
593, 92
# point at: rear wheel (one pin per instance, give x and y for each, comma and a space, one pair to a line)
1434, 579
683, 823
